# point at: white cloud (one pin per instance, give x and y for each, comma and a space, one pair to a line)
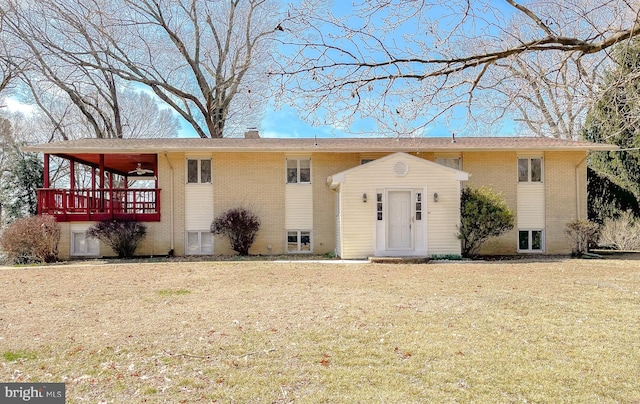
14, 105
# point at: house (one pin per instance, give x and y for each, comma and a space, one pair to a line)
357, 197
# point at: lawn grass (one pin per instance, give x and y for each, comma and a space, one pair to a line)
515, 331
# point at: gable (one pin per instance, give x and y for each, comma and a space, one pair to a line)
397, 166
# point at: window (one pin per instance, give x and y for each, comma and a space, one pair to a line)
530, 240
83, 245
379, 206
418, 205
298, 171
198, 171
298, 241
199, 242
530, 169
450, 162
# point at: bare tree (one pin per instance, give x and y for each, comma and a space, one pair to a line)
7, 72
410, 63
76, 97
40, 30
204, 59
547, 93
9, 68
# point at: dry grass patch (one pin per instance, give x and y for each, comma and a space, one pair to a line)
516, 331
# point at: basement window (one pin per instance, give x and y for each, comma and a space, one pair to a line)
199, 243
530, 240
298, 241
84, 246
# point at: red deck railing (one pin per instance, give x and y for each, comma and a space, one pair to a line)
69, 205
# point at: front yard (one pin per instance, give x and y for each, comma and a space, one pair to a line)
512, 331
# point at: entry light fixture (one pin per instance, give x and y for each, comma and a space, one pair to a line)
435, 197
364, 198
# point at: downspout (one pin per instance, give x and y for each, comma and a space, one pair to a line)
170, 201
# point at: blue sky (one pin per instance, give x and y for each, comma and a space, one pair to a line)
286, 122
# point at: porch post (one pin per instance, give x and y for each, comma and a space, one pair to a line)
72, 174
91, 200
101, 183
111, 200
125, 208
93, 179
46, 180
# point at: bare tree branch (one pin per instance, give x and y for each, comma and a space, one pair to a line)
459, 50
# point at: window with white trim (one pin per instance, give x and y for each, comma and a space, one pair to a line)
298, 170
198, 171
199, 243
81, 245
418, 205
299, 241
530, 169
530, 240
450, 162
379, 206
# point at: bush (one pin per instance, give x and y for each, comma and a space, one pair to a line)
484, 214
583, 234
123, 236
622, 233
240, 226
31, 239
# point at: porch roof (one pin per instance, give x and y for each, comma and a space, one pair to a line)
334, 145
119, 163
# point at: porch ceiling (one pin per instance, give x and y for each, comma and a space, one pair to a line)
116, 163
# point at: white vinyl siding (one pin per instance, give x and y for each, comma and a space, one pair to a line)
531, 206
531, 209
198, 206
298, 204
363, 234
338, 221
299, 207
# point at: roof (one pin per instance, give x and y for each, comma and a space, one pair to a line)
335, 145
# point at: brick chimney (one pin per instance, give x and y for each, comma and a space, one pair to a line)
252, 133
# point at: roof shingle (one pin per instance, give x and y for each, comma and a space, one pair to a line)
336, 145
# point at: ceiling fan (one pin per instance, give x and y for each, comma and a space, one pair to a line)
140, 171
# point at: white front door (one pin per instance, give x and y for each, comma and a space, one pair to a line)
399, 221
